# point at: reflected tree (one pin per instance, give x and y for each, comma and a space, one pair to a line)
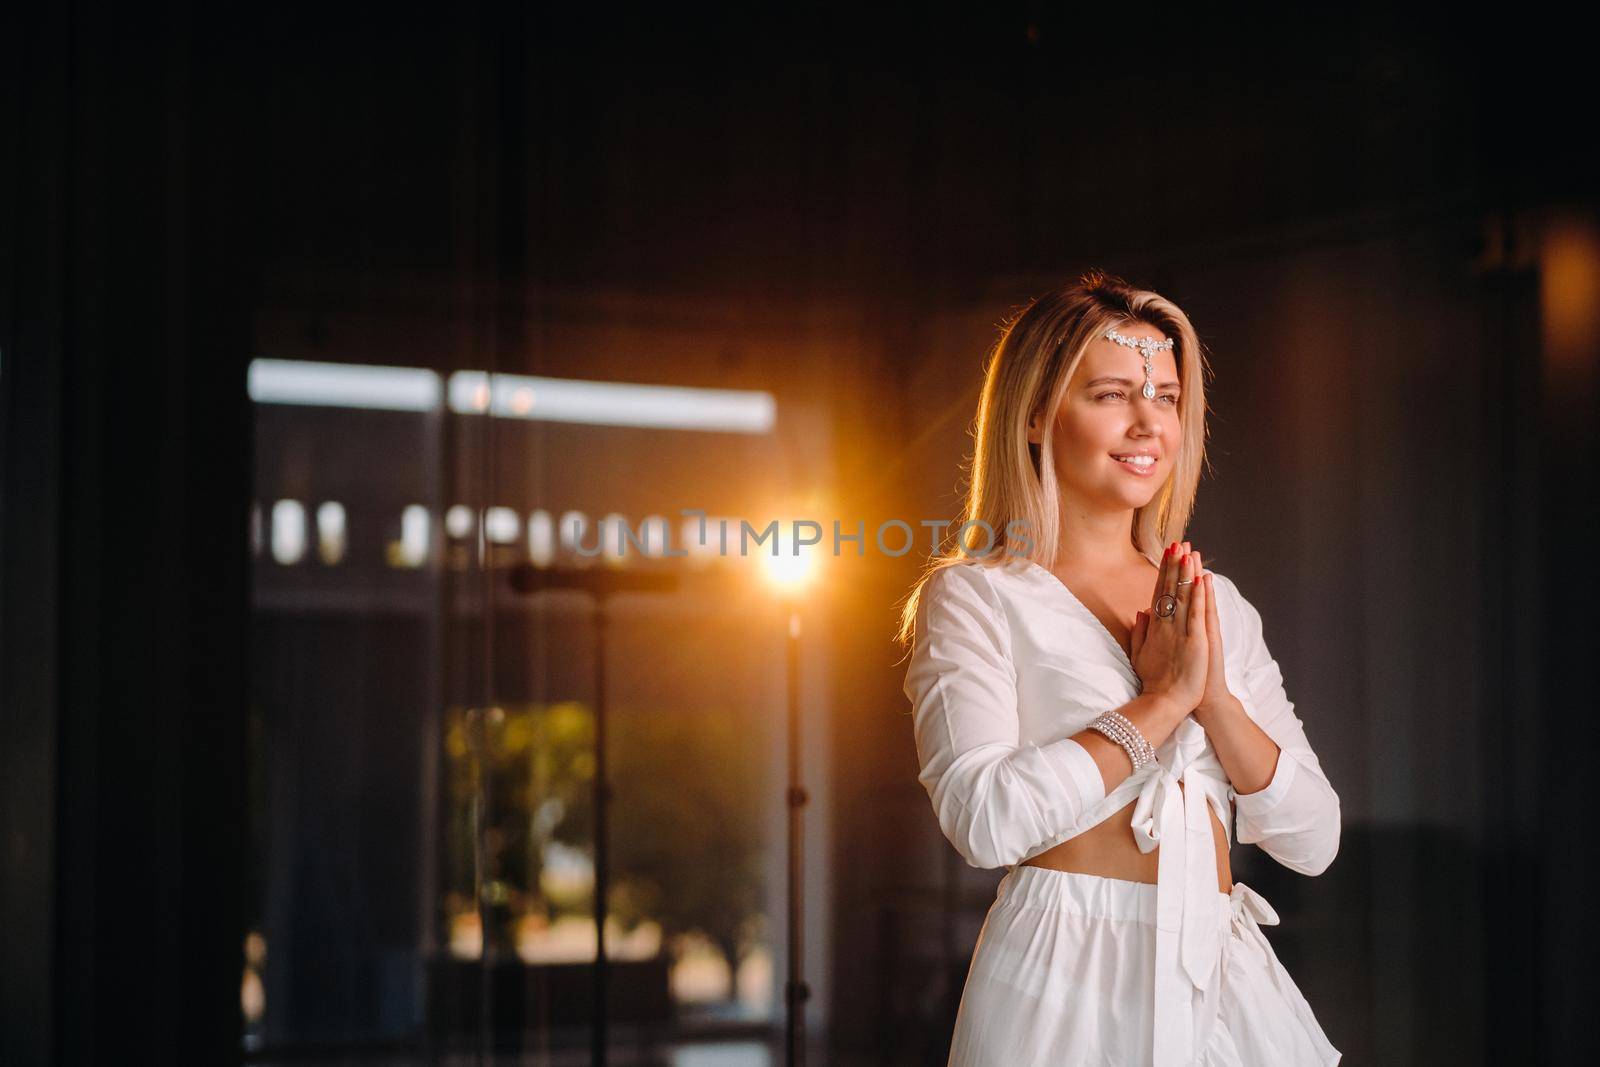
687, 831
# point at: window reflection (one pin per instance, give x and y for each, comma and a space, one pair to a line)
423, 756
688, 884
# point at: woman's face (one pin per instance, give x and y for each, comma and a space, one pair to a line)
1104, 415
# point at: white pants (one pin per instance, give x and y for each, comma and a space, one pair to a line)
1064, 973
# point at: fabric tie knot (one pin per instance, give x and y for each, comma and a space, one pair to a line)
1176, 820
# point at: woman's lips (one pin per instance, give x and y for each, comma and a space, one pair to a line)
1136, 470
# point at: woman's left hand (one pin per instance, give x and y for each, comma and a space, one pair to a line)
1217, 694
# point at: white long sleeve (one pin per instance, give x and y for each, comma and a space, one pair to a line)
998, 799
1295, 819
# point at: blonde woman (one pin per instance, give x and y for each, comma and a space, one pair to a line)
1094, 709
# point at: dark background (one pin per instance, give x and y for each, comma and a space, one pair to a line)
1382, 223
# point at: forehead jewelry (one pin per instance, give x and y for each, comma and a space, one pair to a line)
1147, 348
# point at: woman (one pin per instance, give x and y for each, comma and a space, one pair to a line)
1094, 709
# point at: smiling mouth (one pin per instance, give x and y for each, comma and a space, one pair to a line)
1143, 466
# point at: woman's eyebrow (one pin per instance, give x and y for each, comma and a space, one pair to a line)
1125, 381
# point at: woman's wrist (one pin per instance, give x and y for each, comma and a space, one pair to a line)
1164, 709
1229, 705
1155, 715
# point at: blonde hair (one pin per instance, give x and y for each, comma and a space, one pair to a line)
1027, 373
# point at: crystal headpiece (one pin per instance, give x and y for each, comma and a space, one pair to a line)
1147, 348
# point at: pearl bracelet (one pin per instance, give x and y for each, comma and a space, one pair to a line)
1145, 751
1136, 736
1120, 729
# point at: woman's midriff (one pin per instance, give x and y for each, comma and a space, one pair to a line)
1109, 850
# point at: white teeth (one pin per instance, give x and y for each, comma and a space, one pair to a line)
1137, 461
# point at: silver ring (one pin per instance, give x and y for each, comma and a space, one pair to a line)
1166, 605
1185, 581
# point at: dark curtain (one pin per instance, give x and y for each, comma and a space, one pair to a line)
125, 335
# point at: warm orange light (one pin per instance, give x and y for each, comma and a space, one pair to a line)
789, 573
1569, 299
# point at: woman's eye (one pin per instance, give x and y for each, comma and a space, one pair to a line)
1170, 398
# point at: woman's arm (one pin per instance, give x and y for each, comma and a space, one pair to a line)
998, 802
1294, 815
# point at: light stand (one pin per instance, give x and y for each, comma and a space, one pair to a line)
796, 991
601, 584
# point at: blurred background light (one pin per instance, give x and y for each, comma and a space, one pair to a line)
541, 538
788, 572
471, 392
574, 526
669, 407
330, 531
414, 536
459, 522
502, 525
344, 385
288, 531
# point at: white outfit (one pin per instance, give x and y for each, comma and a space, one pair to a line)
1074, 968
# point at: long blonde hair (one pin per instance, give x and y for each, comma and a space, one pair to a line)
1027, 373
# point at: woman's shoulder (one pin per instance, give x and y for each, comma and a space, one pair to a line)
970, 597
991, 579
973, 586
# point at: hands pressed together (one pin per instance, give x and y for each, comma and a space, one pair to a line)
1177, 644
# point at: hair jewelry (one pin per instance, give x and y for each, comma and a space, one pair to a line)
1147, 348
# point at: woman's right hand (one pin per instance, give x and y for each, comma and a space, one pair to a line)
1171, 654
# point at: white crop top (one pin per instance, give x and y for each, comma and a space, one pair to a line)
1008, 664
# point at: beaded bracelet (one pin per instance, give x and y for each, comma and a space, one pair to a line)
1147, 750
1127, 737
1125, 741
1119, 729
